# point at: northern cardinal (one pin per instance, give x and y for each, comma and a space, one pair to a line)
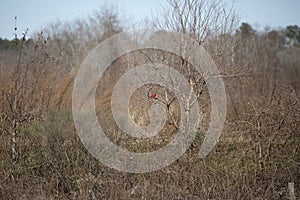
153, 96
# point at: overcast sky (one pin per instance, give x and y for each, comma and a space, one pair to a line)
35, 14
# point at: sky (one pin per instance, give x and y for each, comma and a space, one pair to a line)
36, 14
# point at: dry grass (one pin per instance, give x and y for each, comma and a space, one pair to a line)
257, 156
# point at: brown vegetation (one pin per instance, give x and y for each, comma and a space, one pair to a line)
258, 155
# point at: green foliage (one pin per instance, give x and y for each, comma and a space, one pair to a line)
14, 44
293, 35
245, 30
6, 44
276, 38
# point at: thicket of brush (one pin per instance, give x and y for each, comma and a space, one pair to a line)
42, 157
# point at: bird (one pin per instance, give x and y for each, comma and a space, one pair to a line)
153, 96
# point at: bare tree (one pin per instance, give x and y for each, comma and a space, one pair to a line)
75, 40
26, 89
202, 20
209, 23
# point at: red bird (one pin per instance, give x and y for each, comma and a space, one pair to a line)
153, 96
